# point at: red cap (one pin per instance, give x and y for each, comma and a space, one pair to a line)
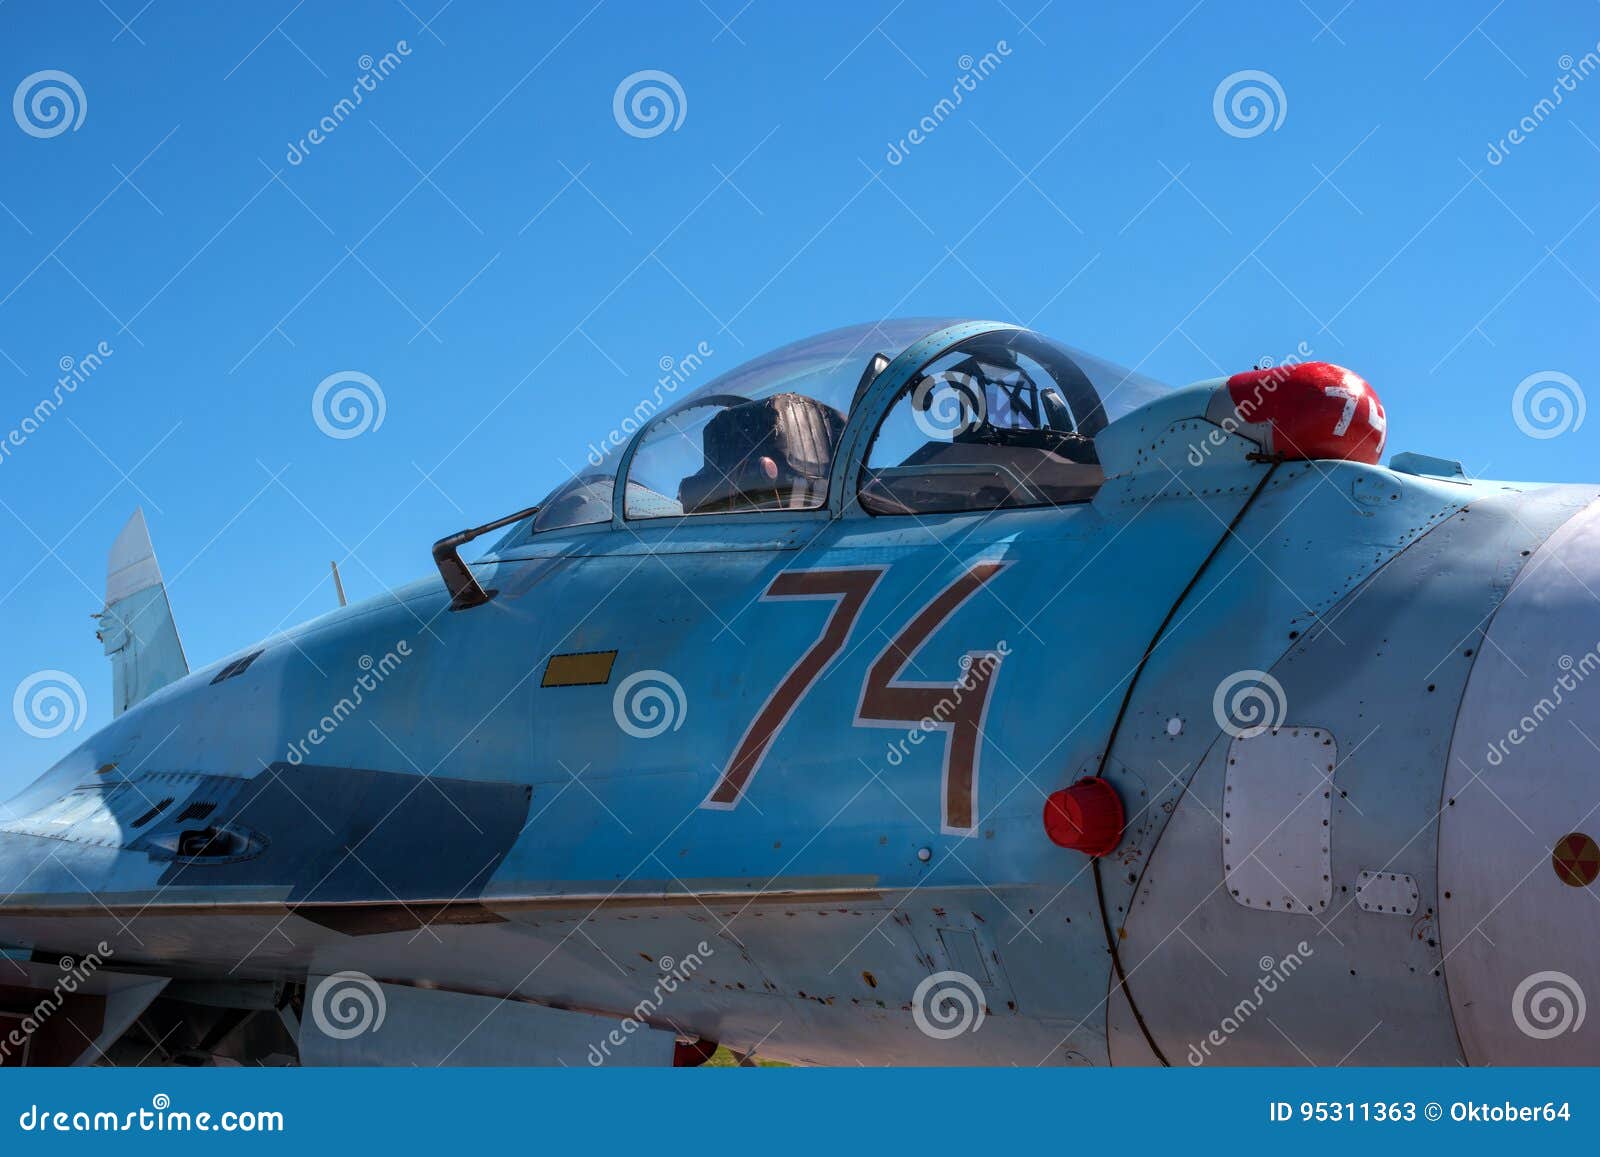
1086, 817
1311, 410
692, 1054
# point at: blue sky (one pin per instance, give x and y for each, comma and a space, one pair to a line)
482, 238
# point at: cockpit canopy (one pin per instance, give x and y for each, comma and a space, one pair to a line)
1003, 418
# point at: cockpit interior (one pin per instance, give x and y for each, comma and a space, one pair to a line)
1001, 419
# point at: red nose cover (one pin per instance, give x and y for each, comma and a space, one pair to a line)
692, 1054
1312, 410
1086, 817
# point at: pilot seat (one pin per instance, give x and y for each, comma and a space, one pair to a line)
769, 454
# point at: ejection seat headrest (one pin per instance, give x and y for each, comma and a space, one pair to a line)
759, 453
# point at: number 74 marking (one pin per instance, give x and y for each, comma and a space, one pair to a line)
957, 708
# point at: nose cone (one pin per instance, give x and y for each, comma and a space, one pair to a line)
1520, 819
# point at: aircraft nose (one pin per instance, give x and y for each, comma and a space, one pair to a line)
1519, 835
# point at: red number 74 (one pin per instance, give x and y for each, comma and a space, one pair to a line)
956, 708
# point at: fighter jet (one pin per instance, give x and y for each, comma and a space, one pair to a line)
926, 692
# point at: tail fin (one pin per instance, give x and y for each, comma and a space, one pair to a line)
137, 627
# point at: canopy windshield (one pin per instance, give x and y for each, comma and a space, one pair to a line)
762, 436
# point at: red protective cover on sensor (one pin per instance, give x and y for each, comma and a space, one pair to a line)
692, 1054
1086, 817
1312, 410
